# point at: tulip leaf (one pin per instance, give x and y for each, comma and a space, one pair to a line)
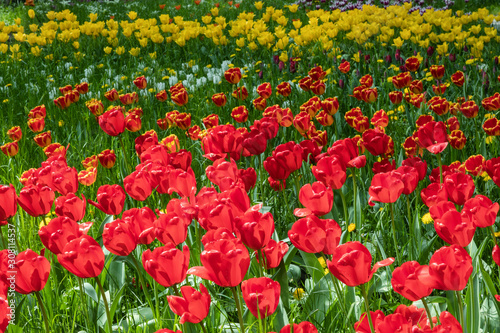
281, 276
280, 316
489, 284
90, 291
313, 266
320, 298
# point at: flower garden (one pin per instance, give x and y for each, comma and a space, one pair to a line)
319, 166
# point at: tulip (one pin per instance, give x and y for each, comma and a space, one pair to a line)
345, 66
225, 262
58, 233
219, 99
167, 265
261, 295
303, 327
233, 75
259, 103
407, 280
5, 313
210, 121
118, 238
171, 228
264, 90
112, 95
112, 122
458, 78
469, 109
31, 272
363, 325
138, 185
140, 82
43, 139
386, 187
412, 64
495, 254
351, 264
482, 210
36, 200
240, 114
433, 194
255, 228
10, 149
87, 177
83, 257
240, 93
284, 89
449, 268
437, 71
15, 133
313, 235
455, 228
141, 223
273, 253
459, 187
193, 306
180, 97
110, 199
8, 203
330, 172
317, 198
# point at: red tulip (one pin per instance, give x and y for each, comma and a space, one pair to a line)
449, 268
110, 199
410, 177
273, 253
167, 265
255, 228
407, 280
141, 223
71, 206
138, 185
59, 232
8, 203
317, 198
171, 228
433, 194
141, 82
459, 187
233, 75
433, 137
193, 306
5, 313
222, 140
344, 67
107, 158
118, 238
412, 64
458, 78
351, 264
112, 122
32, 272
276, 170
455, 228
225, 262
313, 235
83, 257
363, 325
182, 182
36, 200
449, 324
264, 90
386, 187
495, 254
261, 295
219, 99
330, 172
303, 327
482, 211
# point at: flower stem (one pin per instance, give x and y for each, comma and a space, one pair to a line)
234, 290
429, 316
394, 233
141, 280
124, 154
344, 205
106, 307
440, 168
367, 306
493, 235
44, 313
354, 189
460, 307
203, 327
82, 298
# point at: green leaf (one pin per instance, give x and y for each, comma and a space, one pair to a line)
313, 266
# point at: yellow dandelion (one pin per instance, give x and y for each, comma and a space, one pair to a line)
426, 219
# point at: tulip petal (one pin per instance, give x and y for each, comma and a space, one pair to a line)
382, 263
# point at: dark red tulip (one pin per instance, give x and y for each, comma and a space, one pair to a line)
313, 235
407, 280
351, 264
255, 228
193, 306
31, 272
58, 233
317, 198
83, 257
276, 170
112, 122
261, 295
8, 203
386, 187
110, 199
289, 155
36, 200
377, 143
449, 268
459, 187
330, 172
167, 265
273, 253
225, 262
71, 206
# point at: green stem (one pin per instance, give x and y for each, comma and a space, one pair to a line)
260, 262
234, 290
4, 243
106, 307
141, 280
429, 315
129, 169
367, 306
82, 299
394, 234
344, 205
44, 313
440, 168
460, 307
354, 189
493, 235
176, 290
261, 182
203, 327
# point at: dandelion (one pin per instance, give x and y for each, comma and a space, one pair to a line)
298, 293
426, 219
351, 227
